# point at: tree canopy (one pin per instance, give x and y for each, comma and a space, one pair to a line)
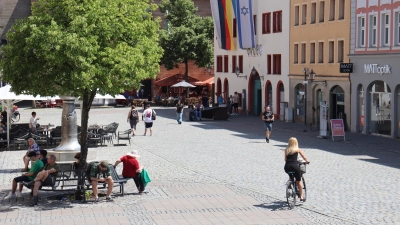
80, 47
189, 37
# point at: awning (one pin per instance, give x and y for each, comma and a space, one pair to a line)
169, 81
209, 81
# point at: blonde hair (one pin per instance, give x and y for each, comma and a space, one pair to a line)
292, 147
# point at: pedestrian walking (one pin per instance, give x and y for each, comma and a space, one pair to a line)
133, 118
268, 118
148, 117
179, 112
230, 104
235, 104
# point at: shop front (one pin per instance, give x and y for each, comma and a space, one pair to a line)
376, 96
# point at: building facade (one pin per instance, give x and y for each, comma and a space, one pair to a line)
268, 84
375, 54
319, 42
11, 10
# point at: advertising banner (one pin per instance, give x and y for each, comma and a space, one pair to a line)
337, 128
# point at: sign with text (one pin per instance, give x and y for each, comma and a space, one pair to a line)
337, 127
346, 67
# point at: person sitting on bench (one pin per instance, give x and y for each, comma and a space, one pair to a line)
47, 177
100, 173
131, 168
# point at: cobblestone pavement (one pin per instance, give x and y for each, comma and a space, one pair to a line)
223, 172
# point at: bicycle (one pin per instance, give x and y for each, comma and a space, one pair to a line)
292, 189
15, 116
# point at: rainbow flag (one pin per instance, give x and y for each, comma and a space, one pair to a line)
222, 12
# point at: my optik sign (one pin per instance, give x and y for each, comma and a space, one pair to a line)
375, 68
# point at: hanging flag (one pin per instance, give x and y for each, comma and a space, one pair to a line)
244, 18
222, 12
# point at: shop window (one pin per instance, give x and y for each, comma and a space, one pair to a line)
381, 106
312, 52
296, 53
266, 23
313, 12
219, 63
296, 15
321, 11
299, 99
226, 63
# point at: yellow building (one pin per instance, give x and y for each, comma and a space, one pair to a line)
319, 42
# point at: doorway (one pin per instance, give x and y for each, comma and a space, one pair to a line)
257, 96
380, 103
337, 103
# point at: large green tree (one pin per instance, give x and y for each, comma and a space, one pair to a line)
189, 37
80, 47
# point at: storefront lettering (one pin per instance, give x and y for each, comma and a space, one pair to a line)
374, 68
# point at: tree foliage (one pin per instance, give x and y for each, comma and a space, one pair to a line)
189, 37
80, 47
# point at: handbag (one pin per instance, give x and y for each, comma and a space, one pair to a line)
153, 115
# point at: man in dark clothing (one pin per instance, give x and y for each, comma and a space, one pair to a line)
268, 118
204, 100
4, 115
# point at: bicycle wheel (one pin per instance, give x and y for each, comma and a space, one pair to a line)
290, 194
15, 117
304, 189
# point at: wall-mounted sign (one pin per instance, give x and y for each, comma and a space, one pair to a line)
346, 67
375, 68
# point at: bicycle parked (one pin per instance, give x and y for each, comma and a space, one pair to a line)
15, 116
292, 190
295, 187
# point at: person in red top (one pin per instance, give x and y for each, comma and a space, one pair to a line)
131, 168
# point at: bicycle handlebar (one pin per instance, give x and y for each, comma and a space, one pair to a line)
304, 163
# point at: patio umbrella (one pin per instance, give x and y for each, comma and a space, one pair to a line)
183, 84
10, 98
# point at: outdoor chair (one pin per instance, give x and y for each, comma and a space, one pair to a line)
55, 136
105, 135
125, 135
21, 140
40, 139
113, 128
93, 138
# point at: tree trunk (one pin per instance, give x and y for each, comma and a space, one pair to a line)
87, 100
187, 77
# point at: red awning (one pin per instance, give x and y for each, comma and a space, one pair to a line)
169, 81
209, 81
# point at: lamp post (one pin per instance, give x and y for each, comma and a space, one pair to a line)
237, 72
305, 95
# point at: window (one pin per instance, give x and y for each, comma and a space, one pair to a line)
373, 31
320, 52
277, 64
234, 64
255, 24
226, 63
296, 15
266, 23
268, 64
398, 28
312, 52
361, 32
219, 63
331, 51
303, 53
304, 14
296, 54
277, 21
241, 63
321, 11
234, 28
313, 12
340, 51
332, 10
385, 29
341, 9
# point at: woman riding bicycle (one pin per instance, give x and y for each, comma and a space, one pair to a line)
292, 165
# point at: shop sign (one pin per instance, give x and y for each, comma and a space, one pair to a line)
337, 127
346, 67
375, 68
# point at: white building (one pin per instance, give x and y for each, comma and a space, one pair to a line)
269, 83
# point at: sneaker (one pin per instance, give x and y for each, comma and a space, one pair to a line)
109, 198
10, 195
96, 199
267, 139
29, 184
18, 194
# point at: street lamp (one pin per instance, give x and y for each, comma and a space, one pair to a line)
237, 72
208, 70
311, 77
253, 71
305, 95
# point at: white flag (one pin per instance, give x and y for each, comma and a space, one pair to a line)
244, 18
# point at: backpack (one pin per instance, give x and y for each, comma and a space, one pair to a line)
134, 115
89, 167
153, 115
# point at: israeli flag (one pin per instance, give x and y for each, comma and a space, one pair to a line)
244, 18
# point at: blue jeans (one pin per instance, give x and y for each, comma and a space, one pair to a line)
197, 115
179, 117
